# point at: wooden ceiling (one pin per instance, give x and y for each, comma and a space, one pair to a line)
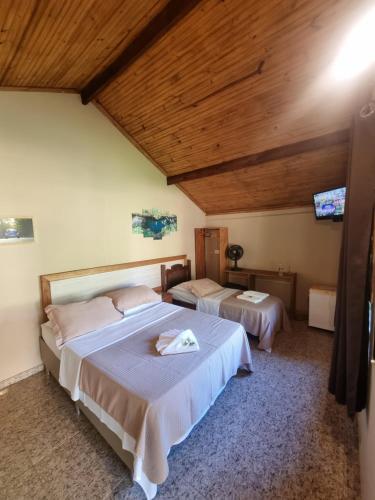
61, 44
285, 183
201, 83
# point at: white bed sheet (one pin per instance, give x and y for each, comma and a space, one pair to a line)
73, 352
211, 303
50, 338
182, 294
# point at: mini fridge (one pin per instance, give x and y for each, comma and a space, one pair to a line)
322, 304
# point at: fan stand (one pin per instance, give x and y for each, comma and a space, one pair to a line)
235, 267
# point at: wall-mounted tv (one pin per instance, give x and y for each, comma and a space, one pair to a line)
330, 204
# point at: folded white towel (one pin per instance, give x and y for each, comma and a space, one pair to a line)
254, 300
177, 341
256, 295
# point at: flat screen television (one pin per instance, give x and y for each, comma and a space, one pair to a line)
330, 204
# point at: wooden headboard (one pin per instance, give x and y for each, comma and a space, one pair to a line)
83, 284
177, 274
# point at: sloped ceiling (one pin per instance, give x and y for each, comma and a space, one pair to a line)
61, 44
231, 78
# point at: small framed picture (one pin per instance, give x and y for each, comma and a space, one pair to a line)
16, 230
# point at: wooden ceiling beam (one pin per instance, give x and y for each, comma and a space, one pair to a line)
173, 12
296, 148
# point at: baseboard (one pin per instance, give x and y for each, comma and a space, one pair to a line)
21, 376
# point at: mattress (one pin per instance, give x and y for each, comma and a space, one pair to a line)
183, 295
50, 339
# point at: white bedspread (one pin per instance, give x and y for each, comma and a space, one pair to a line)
75, 350
211, 303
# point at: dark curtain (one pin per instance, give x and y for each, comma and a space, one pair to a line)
349, 367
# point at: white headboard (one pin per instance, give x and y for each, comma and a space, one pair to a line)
83, 284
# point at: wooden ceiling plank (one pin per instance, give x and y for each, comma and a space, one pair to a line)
245, 127
65, 47
55, 21
12, 26
64, 36
238, 133
220, 153
288, 182
195, 77
162, 59
91, 38
44, 26
254, 72
323, 141
272, 73
273, 109
28, 25
172, 13
243, 56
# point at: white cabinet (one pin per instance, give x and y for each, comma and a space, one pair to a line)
322, 304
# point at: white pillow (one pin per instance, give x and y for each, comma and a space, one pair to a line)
78, 318
138, 309
126, 299
204, 287
179, 292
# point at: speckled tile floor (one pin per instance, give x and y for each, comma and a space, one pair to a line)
276, 434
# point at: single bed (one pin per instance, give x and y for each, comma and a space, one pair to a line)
262, 320
143, 403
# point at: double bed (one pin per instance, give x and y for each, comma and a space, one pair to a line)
262, 320
141, 402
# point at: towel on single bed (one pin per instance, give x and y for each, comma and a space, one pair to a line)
177, 341
256, 295
253, 296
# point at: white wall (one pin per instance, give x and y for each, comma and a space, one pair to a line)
291, 238
70, 169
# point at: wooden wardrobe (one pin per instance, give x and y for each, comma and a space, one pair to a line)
210, 253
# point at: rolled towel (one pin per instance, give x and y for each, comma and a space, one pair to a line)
248, 298
256, 295
176, 342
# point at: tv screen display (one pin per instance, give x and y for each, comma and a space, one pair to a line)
330, 204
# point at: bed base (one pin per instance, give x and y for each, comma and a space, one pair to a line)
52, 366
184, 304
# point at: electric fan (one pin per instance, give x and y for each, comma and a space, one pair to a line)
235, 252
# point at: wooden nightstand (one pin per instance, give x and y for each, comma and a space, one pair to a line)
167, 297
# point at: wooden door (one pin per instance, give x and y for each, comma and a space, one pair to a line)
212, 254
200, 261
